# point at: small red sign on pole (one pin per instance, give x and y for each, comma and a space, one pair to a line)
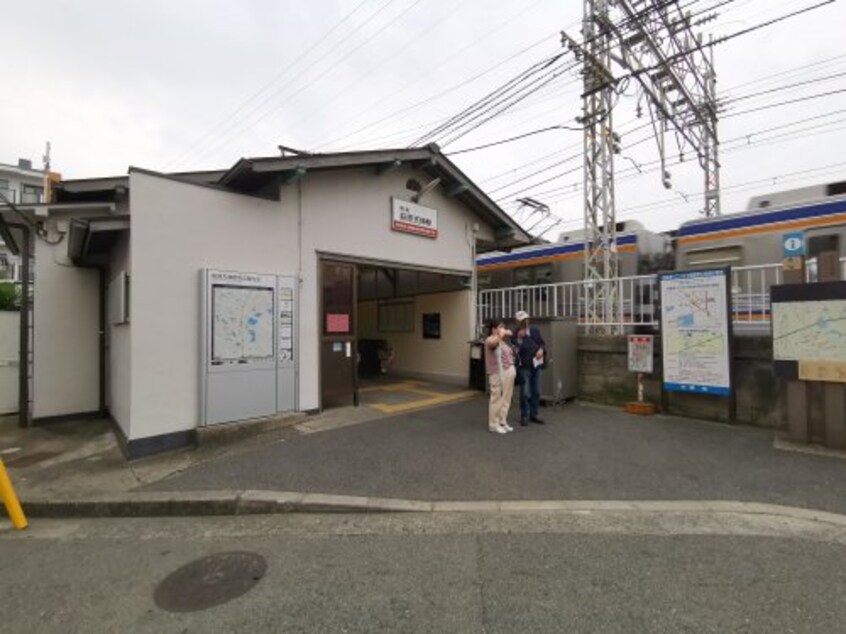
640, 361
640, 353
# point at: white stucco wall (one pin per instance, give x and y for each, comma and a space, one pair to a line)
66, 334
348, 213
445, 359
119, 359
178, 230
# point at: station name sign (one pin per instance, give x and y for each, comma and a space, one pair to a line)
408, 217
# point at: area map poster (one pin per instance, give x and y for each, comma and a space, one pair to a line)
242, 323
696, 331
809, 331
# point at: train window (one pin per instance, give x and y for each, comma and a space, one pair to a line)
821, 244
522, 276
715, 256
543, 274
836, 189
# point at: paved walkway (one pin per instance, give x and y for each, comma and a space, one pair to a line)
583, 453
433, 454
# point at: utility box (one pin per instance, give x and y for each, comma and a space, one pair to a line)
560, 379
478, 375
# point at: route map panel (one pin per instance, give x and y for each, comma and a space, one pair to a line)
696, 335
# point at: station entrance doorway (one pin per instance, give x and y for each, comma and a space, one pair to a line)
386, 322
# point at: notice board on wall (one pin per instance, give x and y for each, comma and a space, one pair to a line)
809, 331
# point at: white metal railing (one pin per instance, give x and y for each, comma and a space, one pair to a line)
567, 299
750, 290
750, 294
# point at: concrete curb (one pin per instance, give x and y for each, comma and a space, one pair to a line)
256, 502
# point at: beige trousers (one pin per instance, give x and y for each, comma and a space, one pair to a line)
500, 396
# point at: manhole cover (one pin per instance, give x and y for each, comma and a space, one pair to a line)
210, 581
29, 459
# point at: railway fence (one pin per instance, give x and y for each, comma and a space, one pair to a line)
636, 298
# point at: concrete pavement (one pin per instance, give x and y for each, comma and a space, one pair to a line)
607, 571
437, 455
582, 453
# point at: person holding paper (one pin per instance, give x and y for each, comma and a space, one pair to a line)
530, 350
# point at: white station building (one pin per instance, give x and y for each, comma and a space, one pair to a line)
173, 301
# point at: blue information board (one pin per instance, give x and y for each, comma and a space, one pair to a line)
793, 244
696, 331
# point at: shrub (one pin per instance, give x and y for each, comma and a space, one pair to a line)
10, 296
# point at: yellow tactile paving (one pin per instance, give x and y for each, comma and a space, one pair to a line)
401, 386
422, 403
429, 398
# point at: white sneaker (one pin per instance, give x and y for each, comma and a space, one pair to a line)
507, 427
497, 430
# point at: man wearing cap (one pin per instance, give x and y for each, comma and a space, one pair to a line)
530, 349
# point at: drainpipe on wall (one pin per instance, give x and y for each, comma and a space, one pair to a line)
24, 415
102, 338
474, 285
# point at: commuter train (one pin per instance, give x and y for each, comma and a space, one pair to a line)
754, 237
744, 239
640, 251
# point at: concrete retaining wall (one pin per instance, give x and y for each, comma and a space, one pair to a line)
604, 378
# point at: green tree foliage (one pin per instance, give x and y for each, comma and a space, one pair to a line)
10, 296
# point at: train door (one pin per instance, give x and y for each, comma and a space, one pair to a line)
821, 241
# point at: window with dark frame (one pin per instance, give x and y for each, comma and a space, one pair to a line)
395, 316
431, 325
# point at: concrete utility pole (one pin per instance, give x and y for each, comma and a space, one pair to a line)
651, 42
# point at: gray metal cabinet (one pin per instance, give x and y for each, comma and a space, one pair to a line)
559, 380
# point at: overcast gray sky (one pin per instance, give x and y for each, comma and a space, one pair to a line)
185, 84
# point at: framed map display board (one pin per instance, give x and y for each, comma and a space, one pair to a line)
696, 331
809, 331
240, 345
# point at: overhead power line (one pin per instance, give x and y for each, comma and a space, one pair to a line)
785, 103
662, 204
276, 78
513, 138
312, 79
495, 103
507, 89
508, 21
532, 187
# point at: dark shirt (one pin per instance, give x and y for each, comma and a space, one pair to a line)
527, 346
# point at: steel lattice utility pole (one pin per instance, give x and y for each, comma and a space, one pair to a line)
676, 75
711, 158
653, 43
600, 255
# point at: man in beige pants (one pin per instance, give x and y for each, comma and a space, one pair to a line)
499, 364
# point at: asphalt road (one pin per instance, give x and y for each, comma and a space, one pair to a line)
435, 573
582, 453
